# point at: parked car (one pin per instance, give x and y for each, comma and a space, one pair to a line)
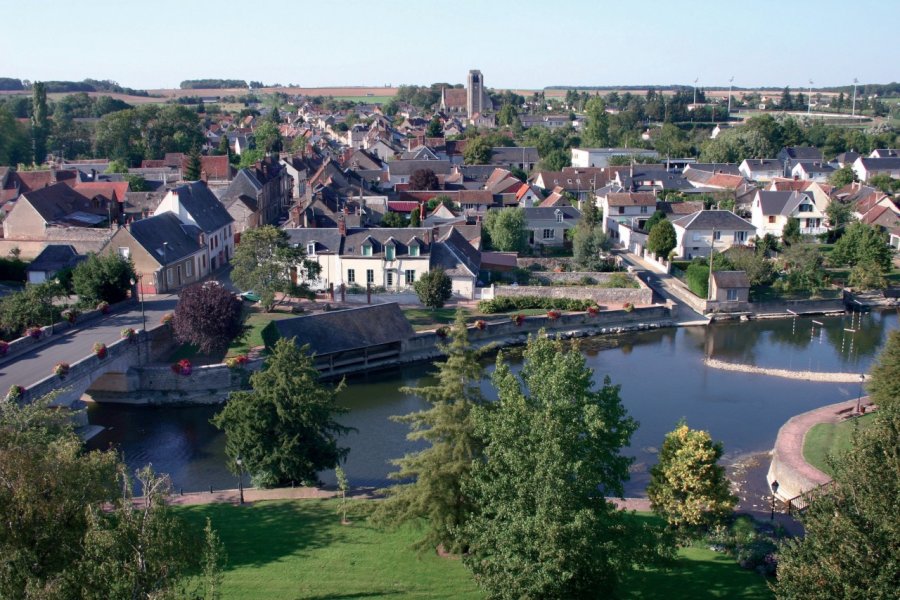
250, 296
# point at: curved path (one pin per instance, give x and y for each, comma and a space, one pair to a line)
804, 375
794, 475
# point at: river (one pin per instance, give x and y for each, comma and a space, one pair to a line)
661, 372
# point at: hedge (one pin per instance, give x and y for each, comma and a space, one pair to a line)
512, 303
697, 279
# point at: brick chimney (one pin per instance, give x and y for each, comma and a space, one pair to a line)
342, 226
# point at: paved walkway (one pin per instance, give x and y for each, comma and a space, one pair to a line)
789, 468
665, 286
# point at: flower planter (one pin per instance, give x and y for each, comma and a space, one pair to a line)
628, 307
100, 350
4, 348
442, 332
70, 315
237, 362
61, 370
518, 319
182, 367
553, 314
593, 310
166, 318
34, 333
103, 307
129, 334
480, 325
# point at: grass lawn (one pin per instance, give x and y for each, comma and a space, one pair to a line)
255, 320
298, 549
827, 439
426, 318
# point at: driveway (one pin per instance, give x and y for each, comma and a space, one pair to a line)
71, 345
665, 288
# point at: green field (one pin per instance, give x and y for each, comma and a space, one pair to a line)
365, 99
827, 439
299, 549
255, 321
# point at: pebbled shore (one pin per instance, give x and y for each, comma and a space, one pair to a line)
786, 373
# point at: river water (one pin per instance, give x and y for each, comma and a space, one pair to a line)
662, 378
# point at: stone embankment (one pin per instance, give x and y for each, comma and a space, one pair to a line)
787, 374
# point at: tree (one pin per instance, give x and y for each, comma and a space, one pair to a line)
543, 528
284, 428
102, 278
32, 307
477, 151
263, 262
885, 183
596, 127
343, 486
393, 219
15, 143
436, 473
804, 269
434, 128
434, 288
839, 214
755, 264
249, 158
423, 179
843, 176
587, 244
267, 137
40, 121
224, 148
851, 542
117, 166
507, 115
688, 487
414, 218
884, 378
506, 229
655, 218
662, 239
194, 165
207, 316
862, 243
790, 234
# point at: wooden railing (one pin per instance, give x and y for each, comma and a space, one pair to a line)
800, 503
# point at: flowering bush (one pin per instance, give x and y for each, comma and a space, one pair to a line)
4, 348
34, 332
100, 350
518, 319
70, 315
182, 367
480, 324
61, 369
166, 318
236, 362
628, 307
128, 334
442, 332
553, 314
15, 392
103, 307
593, 310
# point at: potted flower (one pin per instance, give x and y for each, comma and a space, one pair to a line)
34, 332
4, 348
129, 334
518, 319
442, 332
480, 324
166, 318
70, 315
100, 350
553, 314
593, 310
15, 392
103, 307
628, 307
237, 362
182, 367
61, 369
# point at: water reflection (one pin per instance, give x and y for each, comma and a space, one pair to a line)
661, 373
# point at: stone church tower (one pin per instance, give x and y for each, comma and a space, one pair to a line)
475, 98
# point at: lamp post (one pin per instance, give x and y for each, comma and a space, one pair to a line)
853, 110
862, 378
140, 291
774, 491
240, 464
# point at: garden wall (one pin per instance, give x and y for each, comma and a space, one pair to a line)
640, 295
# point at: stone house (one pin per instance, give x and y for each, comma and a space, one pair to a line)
548, 226
695, 234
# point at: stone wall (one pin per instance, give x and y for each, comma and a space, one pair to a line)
603, 296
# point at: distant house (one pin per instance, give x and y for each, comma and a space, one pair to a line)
770, 212
885, 153
791, 156
548, 226
599, 157
399, 171
866, 168
631, 209
52, 259
268, 186
524, 158
763, 169
812, 171
695, 234
730, 286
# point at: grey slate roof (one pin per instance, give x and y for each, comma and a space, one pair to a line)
326, 240
714, 219
203, 206
456, 256
55, 257
407, 167
780, 203
881, 164
246, 183
764, 164
180, 240
59, 202
801, 153
510, 154
727, 168
731, 279
343, 330
402, 238
549, 213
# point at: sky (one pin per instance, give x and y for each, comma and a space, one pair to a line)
524, 44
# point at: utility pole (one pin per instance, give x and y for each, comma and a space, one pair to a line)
809, 100
695, 90
853, 112
712, 251
730, 84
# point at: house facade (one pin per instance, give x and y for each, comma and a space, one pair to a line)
770, 212
547, 226
626, 208
704, 230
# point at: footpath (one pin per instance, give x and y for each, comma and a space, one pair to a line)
667, 288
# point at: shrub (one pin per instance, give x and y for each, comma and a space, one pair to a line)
100, 350
237, 362
480, 324
182, 367
697, 276
620, 280
61, 369
15, 392
553, 314
628, 307
103, 277
34, 332
166, 318
593, 310
103, 307
513, 303
442, 332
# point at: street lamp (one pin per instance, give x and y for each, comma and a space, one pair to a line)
774, 491
140, 290
240, 464
862, 378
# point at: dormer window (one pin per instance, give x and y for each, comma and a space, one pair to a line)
559, 216
367, 249
311, 249
414, 249
389, 252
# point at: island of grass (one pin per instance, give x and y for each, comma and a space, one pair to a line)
299, 549
830, 439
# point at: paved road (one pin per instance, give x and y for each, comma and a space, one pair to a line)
71, 345
665, 288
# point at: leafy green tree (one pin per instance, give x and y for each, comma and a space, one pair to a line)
194, 166
224, 148
757, 267
414, 218
262, 262
477, 152
885, 183
434, 128
343, 486
843, 176
117, 166
437, 472
543, 528
884, 378
32, 307
804, 269
587, 244
790, 234
102, 278
15, 143
662, 239
284, 428
434, 288
556, 160
249, 158
688, 487
393, 219
207, 316
40, 121
506, 229
655, 218
839, 214
867, 275
851, 542
862, 244
507, 115
137, 183
267, 137
596, 127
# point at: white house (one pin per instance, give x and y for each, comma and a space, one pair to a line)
770, 212
695, 234
599, 157
763, 169
866, 168
629, 209
812, 171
